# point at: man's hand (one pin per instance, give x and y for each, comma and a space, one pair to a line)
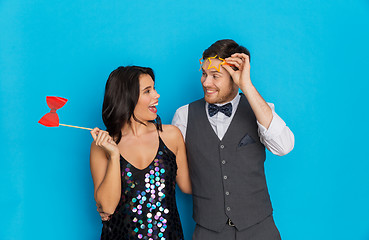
241, 76
104, 216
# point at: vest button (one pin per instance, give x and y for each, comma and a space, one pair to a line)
225, 177
222, 146
223, 162
228, 209
227, 193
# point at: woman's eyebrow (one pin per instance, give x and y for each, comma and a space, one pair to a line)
148, 87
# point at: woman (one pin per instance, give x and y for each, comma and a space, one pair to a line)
136, 162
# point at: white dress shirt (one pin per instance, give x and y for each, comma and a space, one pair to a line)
278, 138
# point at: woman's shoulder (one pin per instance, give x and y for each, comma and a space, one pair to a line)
170, 135
170, 131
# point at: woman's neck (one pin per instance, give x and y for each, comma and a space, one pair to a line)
136, 128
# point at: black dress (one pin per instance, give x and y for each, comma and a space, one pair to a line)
147, 208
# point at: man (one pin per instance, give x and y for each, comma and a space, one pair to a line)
226, 134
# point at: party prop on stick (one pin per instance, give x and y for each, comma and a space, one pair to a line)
202, 61
51, 119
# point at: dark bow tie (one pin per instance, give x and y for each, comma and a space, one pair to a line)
214, 109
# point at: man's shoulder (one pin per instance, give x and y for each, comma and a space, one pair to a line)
197, 102
181, 113
184, 108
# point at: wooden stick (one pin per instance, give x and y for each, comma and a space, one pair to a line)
65, 125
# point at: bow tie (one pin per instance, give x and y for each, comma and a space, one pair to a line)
51, 119
214, 109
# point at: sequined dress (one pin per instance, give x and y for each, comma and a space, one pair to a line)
147, 208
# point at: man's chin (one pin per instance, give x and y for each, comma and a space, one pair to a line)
210, 100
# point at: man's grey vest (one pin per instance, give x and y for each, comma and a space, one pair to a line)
228, 179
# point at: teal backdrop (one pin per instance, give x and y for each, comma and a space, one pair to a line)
310, 58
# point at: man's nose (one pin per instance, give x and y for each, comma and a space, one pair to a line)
207, 81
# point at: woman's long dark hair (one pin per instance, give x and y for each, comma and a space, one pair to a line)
122, 91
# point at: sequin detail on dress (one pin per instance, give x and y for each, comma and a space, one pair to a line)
147, 208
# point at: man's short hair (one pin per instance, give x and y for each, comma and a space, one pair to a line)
224, 48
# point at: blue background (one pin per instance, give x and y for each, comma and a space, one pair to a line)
310, 58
